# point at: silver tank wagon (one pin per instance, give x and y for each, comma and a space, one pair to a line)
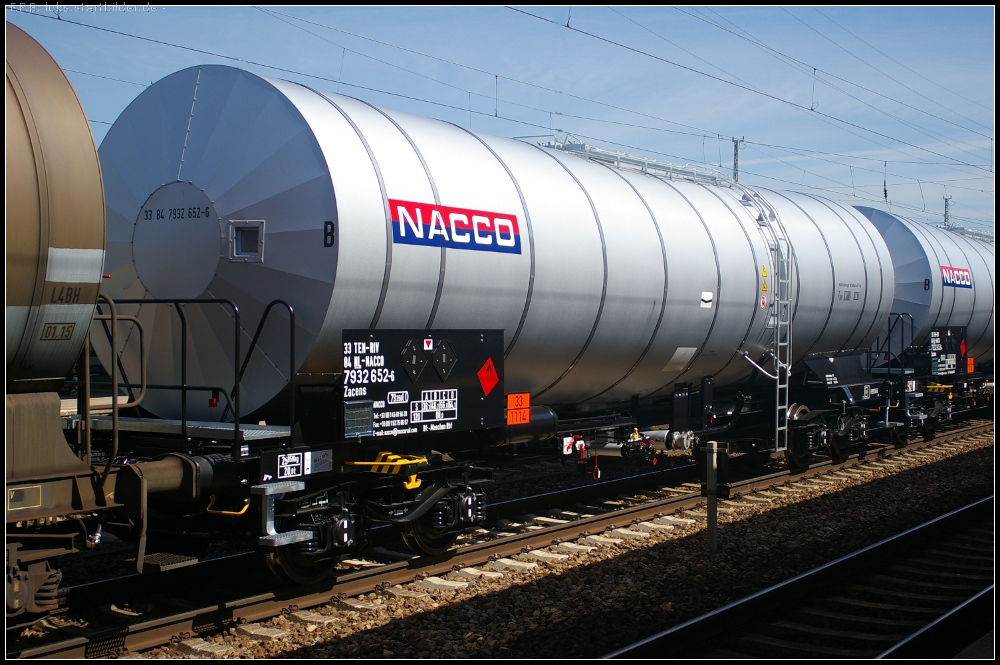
942, 279
609, 283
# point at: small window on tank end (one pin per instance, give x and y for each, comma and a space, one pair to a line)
246, 240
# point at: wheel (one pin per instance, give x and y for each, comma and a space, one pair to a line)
797, 455
424, 539
900, 436
840, 447
291, 565
797, 412
840, 444
929, 429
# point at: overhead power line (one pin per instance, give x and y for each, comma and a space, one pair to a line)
806, 68
913, 71
743, 87
855, 56
496, 75
106, 78
702, 132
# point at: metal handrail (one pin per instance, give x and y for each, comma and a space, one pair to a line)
177, 304
136, 399
291, 355
175, 386
896, 320
232, 396
113, 317
621, 160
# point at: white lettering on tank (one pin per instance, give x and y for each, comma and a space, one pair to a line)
404, 216
507, 226
487, 225
464, 221
437, 226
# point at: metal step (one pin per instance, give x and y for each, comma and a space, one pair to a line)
157, 563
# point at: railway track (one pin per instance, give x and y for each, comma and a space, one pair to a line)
527, 540
927, 593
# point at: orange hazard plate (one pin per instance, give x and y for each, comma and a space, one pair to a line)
518, 408
519, 400
518, 416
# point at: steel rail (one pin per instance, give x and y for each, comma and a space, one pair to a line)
721, 632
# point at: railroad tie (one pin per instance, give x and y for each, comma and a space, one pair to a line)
652, 526
847, 474
511, 564
262, 632
470, 572
629, 534
670, 519
551, 521
566, 514
362, 563
314, 618
400, 592
199, 647
602, 540
542, 555
441, 584
355, 605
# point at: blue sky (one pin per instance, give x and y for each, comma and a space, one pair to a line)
830, 100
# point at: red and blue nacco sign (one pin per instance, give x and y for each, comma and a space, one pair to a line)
456, 228
957, 277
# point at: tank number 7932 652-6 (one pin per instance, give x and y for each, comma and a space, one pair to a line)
176, 213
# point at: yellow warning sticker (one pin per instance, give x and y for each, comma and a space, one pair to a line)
763, 272
764, 287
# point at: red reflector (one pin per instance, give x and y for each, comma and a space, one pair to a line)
213, 402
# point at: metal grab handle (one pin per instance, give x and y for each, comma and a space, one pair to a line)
142, 354
762, 370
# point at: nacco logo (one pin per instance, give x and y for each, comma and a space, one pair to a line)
456, 228
957, 277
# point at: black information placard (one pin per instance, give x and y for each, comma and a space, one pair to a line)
409, 382
947, 348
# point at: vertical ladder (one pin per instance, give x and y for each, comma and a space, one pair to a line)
782, 334
781, 306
